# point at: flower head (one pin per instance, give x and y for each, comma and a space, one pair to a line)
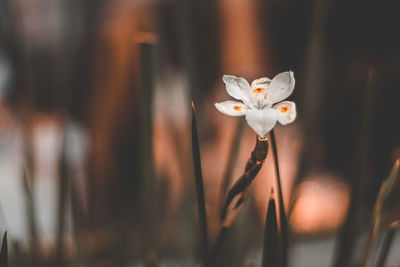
260, 101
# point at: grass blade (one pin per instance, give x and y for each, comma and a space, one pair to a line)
271, 253
387, 242
384, 192
283, 219
4, 252
199, 184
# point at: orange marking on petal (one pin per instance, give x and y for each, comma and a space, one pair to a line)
284, 109
237, 108
258, 90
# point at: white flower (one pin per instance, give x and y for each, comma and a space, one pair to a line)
260, 101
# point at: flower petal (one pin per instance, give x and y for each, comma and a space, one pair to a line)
286, 112
232, 108
281, 87
237, 87
264, 81
258, 95
261, 120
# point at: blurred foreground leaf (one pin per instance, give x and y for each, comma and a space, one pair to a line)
346, 244
385, 191
199, 183
4, 252
387, 242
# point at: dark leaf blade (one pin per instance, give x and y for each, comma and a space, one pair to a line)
283, 219
272, 253
4, 252
386, 190
199, 183
387, 242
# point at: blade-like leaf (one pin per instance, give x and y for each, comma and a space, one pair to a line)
4, 252
384, 193
283, 219
199, 183
387, 242
272, 248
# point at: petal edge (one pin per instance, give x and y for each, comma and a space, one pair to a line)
231, 108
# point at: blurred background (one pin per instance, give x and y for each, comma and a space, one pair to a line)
95, 141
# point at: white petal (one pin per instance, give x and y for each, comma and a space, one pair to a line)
261, 120
286, 112
232, 108
237, 87
281, 87
258, 94
260, 81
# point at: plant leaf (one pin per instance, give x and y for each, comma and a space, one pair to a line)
199, 183
282, 213
272, 252
387, 242
384, 192
4, 252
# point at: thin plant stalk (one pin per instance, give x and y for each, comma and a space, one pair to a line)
238, 192
237, 195
283, 219
199, 184
217, 246
387, 242
63, 192
4, 252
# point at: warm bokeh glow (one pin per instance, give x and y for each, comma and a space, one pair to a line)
321, 205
